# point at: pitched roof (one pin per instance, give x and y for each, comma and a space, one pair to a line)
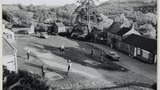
4, 21
142, 42
122, 31
60, 24
7, 48
22, 26
115, 27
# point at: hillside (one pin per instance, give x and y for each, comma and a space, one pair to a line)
10, 7
69, 7
41, 12
143, 12
116, 7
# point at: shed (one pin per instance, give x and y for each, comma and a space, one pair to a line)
59, 27
23, 27
9, 56
141, 47
8, 34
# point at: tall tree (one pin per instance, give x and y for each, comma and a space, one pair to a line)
86, 14
106, 22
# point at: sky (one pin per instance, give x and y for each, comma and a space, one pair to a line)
41, 2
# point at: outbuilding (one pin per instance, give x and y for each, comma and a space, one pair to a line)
141, 47
29, 28
9, 56
59, 27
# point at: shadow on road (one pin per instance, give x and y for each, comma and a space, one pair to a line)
63, 73
129, 85
80, 56
124, 86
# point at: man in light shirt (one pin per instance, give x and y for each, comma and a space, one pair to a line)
69, 66
62, 49
28, 54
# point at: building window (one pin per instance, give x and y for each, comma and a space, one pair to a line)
145, 54
126, 46
138, 51
155, 59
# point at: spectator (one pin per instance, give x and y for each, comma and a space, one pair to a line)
69, 66
101, 57
62, 49
92, 51
43, 68
28, 54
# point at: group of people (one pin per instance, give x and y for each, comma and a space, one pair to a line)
62, 49
101, 55
43, 68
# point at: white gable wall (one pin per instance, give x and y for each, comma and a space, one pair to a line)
8, 34
132, 31
10, 62
61, 29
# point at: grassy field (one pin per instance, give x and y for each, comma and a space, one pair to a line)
78, 52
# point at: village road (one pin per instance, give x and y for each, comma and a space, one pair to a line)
148, 70
61, 63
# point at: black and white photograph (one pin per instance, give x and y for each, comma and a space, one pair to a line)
79, 44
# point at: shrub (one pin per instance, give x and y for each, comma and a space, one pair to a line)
23, 80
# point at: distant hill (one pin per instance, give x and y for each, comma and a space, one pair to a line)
68, 7
115, 7
132, 1
10, 7
39, 12
16, 7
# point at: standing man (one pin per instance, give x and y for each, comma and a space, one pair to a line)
92, 51
69, 65
62, 49
28, 54
43, 67
101, 57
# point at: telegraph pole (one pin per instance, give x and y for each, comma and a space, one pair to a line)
88, 15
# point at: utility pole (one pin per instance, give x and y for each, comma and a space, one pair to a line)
56, 15
88, 15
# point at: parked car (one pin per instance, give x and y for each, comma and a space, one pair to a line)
74, 35
112, 56
44, 36
53, 33
22, 32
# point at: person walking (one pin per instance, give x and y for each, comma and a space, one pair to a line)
69, 66
28, 54
62, 49
101, 56
43, 68
92, 51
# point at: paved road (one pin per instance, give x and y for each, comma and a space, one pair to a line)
148, 70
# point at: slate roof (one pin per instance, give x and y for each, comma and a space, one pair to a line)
142, 42
122, 31
22, 26
60, 24
115, 27
7, 48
